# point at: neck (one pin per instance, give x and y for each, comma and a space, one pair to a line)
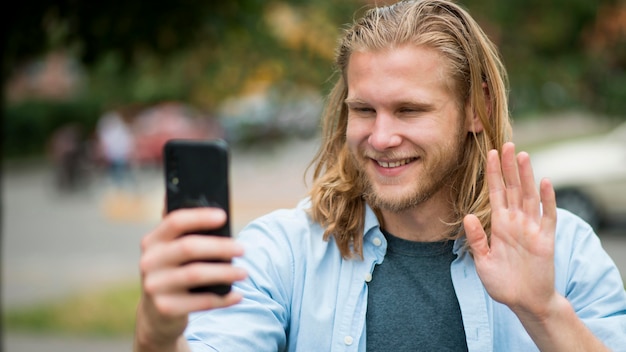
426, 222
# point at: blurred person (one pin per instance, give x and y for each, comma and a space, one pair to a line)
423, 229
116, 143
68, 153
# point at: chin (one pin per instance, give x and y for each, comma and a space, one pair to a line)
396, 201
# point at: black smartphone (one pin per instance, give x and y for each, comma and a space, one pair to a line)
196, 175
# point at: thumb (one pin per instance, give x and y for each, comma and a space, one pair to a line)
476, 236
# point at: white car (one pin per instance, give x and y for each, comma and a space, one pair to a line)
588, 174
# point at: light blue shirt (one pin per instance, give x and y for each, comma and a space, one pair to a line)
301, 295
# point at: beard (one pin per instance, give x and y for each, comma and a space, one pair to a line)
439, 172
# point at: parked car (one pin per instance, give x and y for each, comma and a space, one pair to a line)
272, 114
588, 174
157, 124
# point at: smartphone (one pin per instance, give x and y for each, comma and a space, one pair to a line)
196, 175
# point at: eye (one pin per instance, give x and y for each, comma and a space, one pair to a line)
361, 109
410, 110
414, 109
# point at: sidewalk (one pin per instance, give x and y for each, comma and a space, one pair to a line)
29, 343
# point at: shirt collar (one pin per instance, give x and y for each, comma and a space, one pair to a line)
371, 222
459, 245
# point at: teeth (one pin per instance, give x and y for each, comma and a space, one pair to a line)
391, 164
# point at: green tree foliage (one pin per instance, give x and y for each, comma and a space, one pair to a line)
199, 52
206, 50
560, 54
126, 28
188, 48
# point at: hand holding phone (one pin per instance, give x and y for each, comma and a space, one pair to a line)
196, 175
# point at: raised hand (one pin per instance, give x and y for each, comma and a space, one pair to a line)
516, 264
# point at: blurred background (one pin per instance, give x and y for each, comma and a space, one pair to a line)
91, 91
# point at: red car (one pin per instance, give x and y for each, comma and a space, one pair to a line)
155, 125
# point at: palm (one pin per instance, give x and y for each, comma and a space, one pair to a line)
517, 266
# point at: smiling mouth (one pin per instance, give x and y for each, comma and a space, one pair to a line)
392, 164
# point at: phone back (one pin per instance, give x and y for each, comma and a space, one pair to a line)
196, 175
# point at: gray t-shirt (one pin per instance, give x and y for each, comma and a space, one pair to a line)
411, 304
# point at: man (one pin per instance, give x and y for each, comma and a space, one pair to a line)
423, 230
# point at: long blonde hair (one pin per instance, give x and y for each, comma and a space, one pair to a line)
479, 79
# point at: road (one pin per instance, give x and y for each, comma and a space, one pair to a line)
54, 244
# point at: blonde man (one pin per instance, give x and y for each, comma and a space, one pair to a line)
424, 230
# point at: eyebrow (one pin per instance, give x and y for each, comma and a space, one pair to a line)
349, 101
403, 103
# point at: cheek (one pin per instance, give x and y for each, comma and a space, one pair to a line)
356, 132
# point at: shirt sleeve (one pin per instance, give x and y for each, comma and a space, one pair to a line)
260, 321
591, 281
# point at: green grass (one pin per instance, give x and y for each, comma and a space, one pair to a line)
109, 312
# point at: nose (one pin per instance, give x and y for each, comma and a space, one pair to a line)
384, 134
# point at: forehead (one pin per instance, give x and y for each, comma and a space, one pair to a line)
400, 71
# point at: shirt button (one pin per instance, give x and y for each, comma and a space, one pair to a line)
348, 340
368, 277
377, 242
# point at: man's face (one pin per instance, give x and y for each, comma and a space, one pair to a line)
405, 129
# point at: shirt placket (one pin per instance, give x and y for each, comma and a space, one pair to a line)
473, 302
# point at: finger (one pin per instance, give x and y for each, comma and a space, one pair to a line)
510, 173
497, 194
548, 203
181, 304
476, 236
183, 221
190, 248
530, 194
182, 278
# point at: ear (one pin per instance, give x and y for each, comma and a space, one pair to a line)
473, 123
